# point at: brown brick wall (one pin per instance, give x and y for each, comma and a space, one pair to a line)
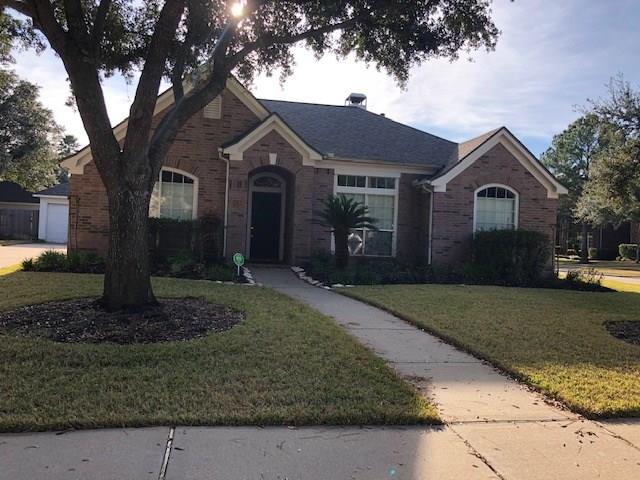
195, 151
453, 209
413, 224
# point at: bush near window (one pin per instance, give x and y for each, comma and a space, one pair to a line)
628, 251
511, 257
203, 237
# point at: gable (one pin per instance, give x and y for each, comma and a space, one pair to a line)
507, 140
273, 123
214, 110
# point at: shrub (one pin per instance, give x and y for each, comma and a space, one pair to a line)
185, 264
593, 253
221, 272
585, 279
168, 237
510, 257
628, 251
84, 262
74, 261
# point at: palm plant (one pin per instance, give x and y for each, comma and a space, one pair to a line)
343, 214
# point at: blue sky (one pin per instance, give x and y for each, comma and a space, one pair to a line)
552, 57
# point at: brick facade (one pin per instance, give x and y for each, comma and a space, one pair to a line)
413, 220
453, 209
196, 151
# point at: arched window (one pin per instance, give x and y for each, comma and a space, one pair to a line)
496, 208
174, 195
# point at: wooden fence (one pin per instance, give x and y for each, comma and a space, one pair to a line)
19, 224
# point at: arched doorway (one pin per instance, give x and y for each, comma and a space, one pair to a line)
265, 232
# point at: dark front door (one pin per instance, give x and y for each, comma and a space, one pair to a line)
266, 208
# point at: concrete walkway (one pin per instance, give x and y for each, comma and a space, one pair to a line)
14, 254
516, 432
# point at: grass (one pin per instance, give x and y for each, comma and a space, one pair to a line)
284, 364
554, 340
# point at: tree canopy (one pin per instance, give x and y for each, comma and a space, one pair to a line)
613, 190
571, 155
28, 135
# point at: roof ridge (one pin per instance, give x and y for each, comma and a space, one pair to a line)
363, 111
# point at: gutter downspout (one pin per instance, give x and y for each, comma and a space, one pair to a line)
226, 205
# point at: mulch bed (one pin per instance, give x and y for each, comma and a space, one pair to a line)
629, 331
85, 321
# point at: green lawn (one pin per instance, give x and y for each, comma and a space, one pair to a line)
285, 364
552, 339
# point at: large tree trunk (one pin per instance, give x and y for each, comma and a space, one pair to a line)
127, 282
584, 244
342, 248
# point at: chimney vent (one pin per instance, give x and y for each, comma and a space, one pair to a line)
357, 100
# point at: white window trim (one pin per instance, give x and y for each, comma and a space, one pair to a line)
499, 185
282, 190
194, 214
372, 191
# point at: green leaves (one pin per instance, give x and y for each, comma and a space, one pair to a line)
27, 135
341, 213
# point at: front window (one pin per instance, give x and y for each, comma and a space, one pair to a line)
173, 196
379, 195
496, 208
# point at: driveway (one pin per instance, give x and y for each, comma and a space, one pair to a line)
14, 254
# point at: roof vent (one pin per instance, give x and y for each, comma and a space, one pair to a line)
356, 100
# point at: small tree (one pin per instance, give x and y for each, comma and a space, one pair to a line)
342, 214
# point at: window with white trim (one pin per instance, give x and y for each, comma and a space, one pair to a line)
496, 208
174, 195
379, 194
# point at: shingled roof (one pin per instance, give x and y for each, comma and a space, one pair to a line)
13, 193
352, 133
60, 190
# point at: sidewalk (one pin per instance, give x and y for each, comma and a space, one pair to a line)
516, 432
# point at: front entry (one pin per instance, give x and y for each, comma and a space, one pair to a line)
267, 209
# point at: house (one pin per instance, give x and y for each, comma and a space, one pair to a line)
265, 166
18, 213
54, 213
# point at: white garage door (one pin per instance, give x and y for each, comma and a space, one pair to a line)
57, 222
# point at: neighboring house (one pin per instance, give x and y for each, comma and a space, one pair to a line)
54, 213
265, 166
18, 213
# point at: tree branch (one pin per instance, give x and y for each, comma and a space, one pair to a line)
141, 112
99, 24
267, 40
